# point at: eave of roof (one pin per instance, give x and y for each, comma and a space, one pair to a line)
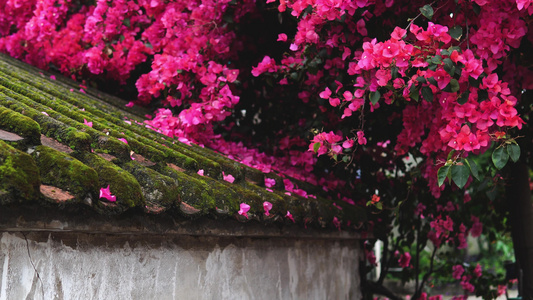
49, 157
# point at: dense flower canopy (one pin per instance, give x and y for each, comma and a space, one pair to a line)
360, 97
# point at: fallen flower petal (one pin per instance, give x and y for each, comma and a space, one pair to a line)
200, 172
229, 178
52, 77
106, 193
44, 113
123, 140
269, 182
90, 124
337, 223
267, 206
244, 208
130, 104
289, 216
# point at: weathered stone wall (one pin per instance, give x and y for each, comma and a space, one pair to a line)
55, 265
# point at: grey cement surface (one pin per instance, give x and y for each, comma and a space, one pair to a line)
54, 265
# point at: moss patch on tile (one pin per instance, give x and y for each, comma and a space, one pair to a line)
157, 189
24, 126
122, 184
63, 171
20, 176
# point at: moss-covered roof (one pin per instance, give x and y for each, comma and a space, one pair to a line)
50, 157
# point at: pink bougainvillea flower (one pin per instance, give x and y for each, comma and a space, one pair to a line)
405, 260
200, 172
361, 139
282, 37
347, 144
90, 124
244, 208
337, 223
267, 206
477, 271
325, 94
123, 140
229, 178
457, 271
289, 216
130, 104
106, 194
270, 182
293, 47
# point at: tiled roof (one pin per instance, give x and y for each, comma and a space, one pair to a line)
50, 158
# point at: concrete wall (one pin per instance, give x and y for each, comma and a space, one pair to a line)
98, 266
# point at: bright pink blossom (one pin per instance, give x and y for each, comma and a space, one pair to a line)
270, 182
229, 178
85, 122
106, 194
458, 271
405, 260
244, 208
267, 206
289, 216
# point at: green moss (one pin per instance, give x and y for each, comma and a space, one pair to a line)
79, 140
199, 192
24, 126
157, 189
65, 172
19, 176
122, 183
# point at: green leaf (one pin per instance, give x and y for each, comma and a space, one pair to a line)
456, 32
476, 8
514, 152
345, 158
379, 205
394, 72
427, 93
449, 66
460, 174
437, 59
450, 155
463, 98
126, 22
442, 173
374, 97
474, 82
316, 146
482, 95
474, 169
453, 86
500, 157
427, 11
421, 79
433, 81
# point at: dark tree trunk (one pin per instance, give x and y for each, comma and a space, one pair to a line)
520, 204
